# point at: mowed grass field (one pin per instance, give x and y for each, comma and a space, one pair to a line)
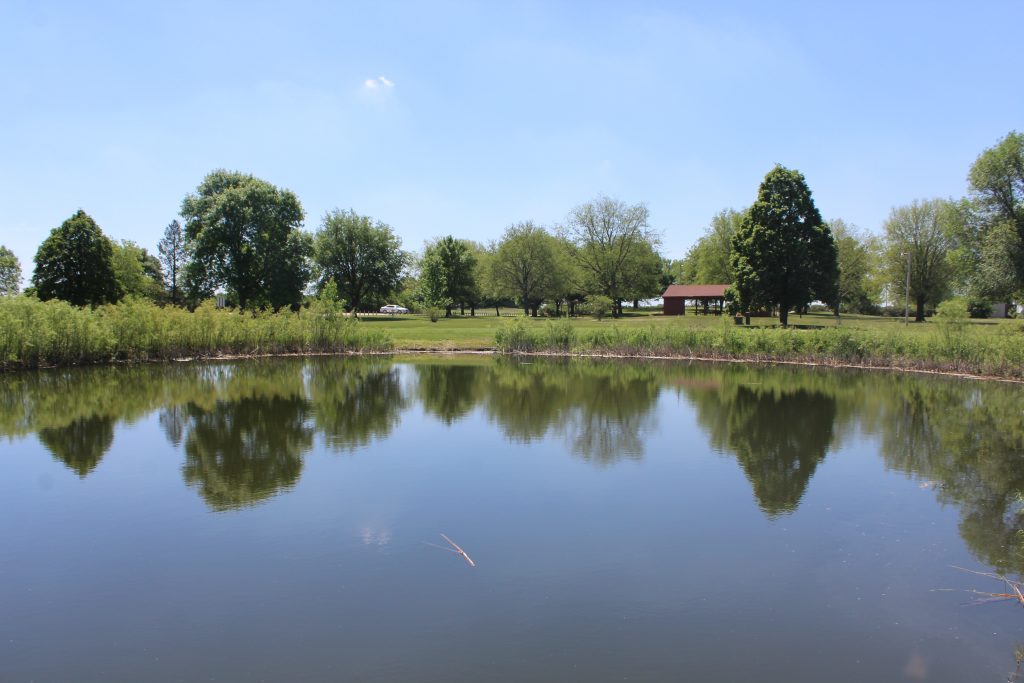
416, 332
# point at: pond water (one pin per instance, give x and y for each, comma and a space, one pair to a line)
281, 521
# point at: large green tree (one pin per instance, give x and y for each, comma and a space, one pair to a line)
997, 188
76, 264
10, 272
605, 238
525, 265
364, 257
857, 257
245, 234
138, 272
919, 234
783, 253
708, 261
173, 257
448, 274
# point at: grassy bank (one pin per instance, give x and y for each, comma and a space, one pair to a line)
35, 333
947, 346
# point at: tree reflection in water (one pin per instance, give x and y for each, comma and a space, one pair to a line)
245, 427
81, 444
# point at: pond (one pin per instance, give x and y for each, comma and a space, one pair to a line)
282, 520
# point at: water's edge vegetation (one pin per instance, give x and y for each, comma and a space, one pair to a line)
954, 348
36, 334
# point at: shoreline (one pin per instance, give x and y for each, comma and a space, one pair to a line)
491, 351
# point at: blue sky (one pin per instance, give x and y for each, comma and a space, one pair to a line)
483, 114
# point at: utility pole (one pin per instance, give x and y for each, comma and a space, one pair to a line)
906, 298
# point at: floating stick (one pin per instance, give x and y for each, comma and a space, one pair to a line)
460, 551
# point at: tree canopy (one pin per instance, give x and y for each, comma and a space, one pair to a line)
607, 239
997, 191
364, 257
10, 272
920, 230
76, 264
708, 261
525, 265
137, 271
447, 274
245, 234
783, 253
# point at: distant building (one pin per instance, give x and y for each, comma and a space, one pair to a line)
706, 299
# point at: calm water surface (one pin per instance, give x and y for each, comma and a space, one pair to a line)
281, 521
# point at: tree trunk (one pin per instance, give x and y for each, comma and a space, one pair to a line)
497, 311
784, 315
447, 311
526, 310
462, 308
636, 304
920, 310
472, 310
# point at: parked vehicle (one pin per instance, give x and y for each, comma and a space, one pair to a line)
393, 309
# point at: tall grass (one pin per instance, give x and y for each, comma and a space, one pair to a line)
948, 346
35, 333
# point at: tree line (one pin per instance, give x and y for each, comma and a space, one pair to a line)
244, 237
928, 251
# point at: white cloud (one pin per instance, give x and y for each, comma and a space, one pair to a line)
379, 82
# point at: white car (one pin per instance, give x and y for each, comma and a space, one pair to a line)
393, 308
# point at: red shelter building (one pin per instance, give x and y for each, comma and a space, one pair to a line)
706, 299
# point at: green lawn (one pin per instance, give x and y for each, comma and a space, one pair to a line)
465, 332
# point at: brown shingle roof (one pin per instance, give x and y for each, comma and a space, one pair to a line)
695, 291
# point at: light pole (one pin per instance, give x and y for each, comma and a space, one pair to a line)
906, 297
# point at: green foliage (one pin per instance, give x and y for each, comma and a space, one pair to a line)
10, 272
997, 188
36, 333
244, 234
525, 266
708, 261
922, 231
783, 253
610, 243
600, 306
362, 256
76, 264
447, 274
138, 272
857, 256
951, 346
173, 257
515, 337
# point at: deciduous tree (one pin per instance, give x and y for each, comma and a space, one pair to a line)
708, 261
783, 253
245, 234
137, 271
10, 272
997, 189
363, 256
919, 232
76, 264
525, 265
447, 274
604, 237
